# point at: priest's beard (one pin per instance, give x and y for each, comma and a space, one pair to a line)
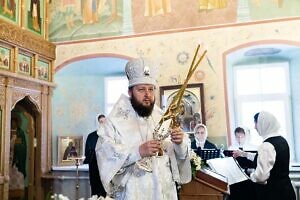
140, 109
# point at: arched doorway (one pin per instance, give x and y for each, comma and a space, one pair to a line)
24, 128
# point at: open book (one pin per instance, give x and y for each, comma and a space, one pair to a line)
229, 168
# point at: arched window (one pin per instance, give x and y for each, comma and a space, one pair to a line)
262, 87
264, 77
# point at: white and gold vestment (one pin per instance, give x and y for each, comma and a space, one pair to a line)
118, 152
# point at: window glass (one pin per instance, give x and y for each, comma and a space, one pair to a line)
273, 80
262, 87
247, 81
114, 87
266, 80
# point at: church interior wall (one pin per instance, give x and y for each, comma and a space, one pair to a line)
169, 37
167, 50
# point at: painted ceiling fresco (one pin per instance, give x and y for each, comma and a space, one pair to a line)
87, 19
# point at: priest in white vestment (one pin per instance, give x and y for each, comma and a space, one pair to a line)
129, 164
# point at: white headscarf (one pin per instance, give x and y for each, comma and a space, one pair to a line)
100, 126
198, 142
267, 125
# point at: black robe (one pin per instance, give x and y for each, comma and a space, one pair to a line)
90, 158
207, 145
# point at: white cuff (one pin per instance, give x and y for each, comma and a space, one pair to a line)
181, 150
133, 156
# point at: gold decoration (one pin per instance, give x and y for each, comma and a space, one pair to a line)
26, 40
20, 94
2, 97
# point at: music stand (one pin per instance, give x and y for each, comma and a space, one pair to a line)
207, 154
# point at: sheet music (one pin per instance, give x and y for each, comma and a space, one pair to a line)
229, 168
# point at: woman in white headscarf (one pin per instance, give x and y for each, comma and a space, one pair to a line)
272, 160
200, 133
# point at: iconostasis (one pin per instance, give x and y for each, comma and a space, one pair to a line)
26, 84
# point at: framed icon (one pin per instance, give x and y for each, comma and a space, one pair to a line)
69, 149
43, 69
24, 65
10, 11
5, 57
193, 101
34, 13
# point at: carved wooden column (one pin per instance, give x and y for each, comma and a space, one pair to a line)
49, 127
6, 138
44, 128
3, 177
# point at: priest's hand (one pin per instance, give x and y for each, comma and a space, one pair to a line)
177, 135
149, 148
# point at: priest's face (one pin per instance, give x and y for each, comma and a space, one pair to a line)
142, 99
